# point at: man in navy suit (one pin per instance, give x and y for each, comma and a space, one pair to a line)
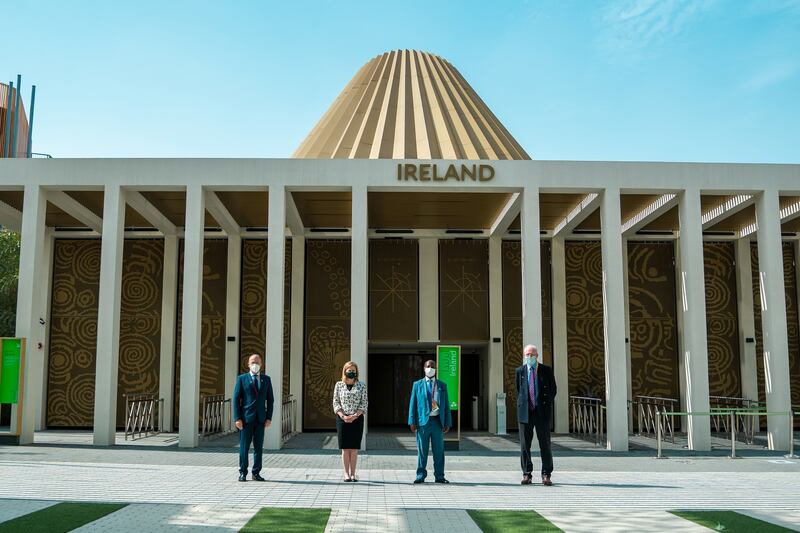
252, 409
536, 390
429, 417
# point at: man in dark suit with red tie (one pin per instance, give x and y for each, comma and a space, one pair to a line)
536, 390
253, 403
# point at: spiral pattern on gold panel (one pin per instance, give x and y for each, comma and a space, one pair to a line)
653, 319
253, 321
408, 104
513, 340
585, 347
73, 333
212, 329
327, 327
790, 287
73, 327
722, 319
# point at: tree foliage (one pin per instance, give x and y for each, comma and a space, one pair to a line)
9, 276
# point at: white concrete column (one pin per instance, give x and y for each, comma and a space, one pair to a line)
748, 362
297, 343
273, 358
531, 268
682, 379
46, 292
773, 318
31, 280
359, 283
169, 309
108, 312
693, 307
496, 370
560, 358
232, 307
191, 317
614, 321
429, 290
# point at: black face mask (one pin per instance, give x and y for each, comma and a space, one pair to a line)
350, 375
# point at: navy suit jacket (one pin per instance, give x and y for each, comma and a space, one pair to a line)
251, 405
419, 409
545, 384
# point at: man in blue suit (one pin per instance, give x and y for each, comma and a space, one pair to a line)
253, 403
429, 417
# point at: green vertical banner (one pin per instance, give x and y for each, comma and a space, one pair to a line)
9, 370
448, 361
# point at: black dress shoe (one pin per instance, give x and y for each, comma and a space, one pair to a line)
257, 477
242, 477
419, 480
442, 480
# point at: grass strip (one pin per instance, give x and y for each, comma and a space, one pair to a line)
730, 522
61, 517
288, 520
511, 521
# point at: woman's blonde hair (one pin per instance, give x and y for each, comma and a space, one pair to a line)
348, 365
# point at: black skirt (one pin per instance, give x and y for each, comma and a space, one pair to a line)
350, 434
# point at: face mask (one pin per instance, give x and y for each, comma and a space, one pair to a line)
430, 372
254, 368
350, 374
530, 361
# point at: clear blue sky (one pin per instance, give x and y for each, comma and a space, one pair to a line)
663, 80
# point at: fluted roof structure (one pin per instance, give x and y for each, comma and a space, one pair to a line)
408, 104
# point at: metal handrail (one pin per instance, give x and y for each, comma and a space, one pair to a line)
587, 417
288, 417
141, 411
648, 408
731, 413
215, 412
723, 423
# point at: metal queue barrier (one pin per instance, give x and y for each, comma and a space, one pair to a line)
141, 413
215, 411
732, 415
288, 417
648, 408
586, 418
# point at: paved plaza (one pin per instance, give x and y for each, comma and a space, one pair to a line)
168, 488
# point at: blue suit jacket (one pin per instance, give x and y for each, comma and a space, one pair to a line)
250, 405
419, 409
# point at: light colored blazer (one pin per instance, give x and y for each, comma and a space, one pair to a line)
350, 401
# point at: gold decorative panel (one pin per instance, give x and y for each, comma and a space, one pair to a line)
393, 290
253, 317
585, 346
513, 341
722, 319
327, 327
212, 348
73, 327
463, 290
653, 319
73, 333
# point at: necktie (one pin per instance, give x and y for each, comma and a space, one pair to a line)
256, 382
532, 387
430, 392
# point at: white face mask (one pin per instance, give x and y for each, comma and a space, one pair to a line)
430, 372
254, 368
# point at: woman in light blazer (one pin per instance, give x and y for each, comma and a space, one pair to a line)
350, 404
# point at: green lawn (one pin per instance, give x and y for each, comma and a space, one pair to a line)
730, 522
511, 521
60, 517
285, 520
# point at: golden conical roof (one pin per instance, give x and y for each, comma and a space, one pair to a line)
408, 104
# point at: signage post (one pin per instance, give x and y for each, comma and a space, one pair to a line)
12, 365
448, 363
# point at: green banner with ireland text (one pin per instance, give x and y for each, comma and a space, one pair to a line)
448, 361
